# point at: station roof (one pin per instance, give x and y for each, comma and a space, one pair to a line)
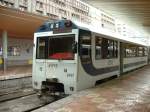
19, 24
133, 12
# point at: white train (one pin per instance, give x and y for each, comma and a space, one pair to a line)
69, 58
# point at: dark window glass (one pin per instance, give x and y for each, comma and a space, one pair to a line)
115, 49
56, 47
85, 46
134, 50
110, 49
130, 50
41, 48
98, 48
105, 48
61, 47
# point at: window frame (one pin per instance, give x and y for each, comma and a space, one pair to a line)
136, 50
47, 46
73, 35
145, 50
96, 49
114, 52
88, 34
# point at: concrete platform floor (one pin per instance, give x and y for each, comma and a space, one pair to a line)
16, 72
129, 93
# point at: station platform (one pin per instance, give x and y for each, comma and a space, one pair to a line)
128, 93
15, 77
16, 72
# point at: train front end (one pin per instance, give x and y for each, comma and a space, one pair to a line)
55, 58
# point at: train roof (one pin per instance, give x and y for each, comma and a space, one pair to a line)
107, 33
49, 25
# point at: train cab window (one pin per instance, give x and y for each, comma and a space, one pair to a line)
61, 47
41, 48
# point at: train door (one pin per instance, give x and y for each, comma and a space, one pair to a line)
121, 57
39, 60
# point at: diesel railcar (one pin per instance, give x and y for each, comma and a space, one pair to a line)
68, 57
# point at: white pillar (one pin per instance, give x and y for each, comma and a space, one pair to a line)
16, 3
30, 5
4, 46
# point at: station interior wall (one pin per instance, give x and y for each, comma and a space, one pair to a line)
19, 51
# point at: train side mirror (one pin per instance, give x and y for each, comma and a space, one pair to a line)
74, 47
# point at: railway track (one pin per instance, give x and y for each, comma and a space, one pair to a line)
25, 100
15, 94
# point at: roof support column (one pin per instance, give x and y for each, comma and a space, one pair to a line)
4, 46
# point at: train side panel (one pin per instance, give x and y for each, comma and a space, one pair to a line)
87, 80
133, 63
94, 70
134, 56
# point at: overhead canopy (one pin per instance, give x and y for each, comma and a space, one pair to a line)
19, 24
133, 12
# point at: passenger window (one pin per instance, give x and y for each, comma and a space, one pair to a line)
85, 46
133, 53
128, 52
98, 48
140, 51
145, 51
110, 49
105, 54
132, 50
115, 49
105, 48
